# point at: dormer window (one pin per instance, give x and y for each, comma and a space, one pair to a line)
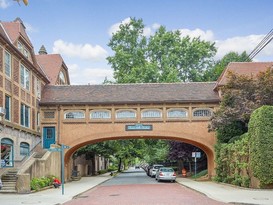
23, 49
62, 78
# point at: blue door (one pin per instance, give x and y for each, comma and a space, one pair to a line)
48, 136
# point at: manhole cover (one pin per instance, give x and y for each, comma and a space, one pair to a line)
261, 198
31, 202
114, 195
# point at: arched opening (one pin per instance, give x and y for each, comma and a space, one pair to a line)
207, 154
7, 153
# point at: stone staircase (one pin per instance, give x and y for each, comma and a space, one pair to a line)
9, 179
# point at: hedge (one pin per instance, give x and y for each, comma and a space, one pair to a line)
261, 145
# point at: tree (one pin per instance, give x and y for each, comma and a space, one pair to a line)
241, 96
163, 57
214, 73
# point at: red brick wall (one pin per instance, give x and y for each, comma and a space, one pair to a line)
1, 59
15, 70
16, 110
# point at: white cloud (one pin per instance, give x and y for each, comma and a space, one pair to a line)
4, 4
238, 44
86, 51
30, 28
204, 35
84, 76
114, 28
147, 31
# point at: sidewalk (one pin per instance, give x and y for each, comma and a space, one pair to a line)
229, 194
54, 196
216, 191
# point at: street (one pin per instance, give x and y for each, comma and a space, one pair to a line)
134, 187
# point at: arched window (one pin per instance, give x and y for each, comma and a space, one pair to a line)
202, 113
24, 149
177, 113
151, 114
74, 115
123, 114
100, 114
6, 152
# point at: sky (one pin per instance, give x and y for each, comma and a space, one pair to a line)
80, 30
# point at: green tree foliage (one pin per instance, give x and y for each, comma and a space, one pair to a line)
261, 145
233, 162
163, 57
214, 73
241, 96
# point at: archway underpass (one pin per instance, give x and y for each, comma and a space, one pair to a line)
142, 152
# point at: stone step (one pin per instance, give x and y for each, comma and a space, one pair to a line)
7, 191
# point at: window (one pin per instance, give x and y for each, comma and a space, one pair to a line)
6, 152
74, 115
62, 78
121, 114
202, 113
20, 47
151, 114
7, 107
24, 149
100, 114
7, 64
25, 114
38, 88
24, 76
23, 49
177, 113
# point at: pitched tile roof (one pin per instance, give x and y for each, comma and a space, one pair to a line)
14, 29
51, 64
243, 68
130, 93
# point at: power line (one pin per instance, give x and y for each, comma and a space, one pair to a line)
265, 41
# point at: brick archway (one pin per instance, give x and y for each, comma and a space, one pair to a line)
194, 133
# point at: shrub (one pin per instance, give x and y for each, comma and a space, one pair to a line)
39, 183
261, 144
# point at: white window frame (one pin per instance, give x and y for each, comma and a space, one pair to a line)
151, 113
74, 115
100, 114
20, 46
125, 114
8, 110
202, 113
62, 78
178, 114
7, 64
24, 77
25, 119
38, 88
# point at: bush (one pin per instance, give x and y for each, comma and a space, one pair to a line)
39, 183
261, 144
102, 171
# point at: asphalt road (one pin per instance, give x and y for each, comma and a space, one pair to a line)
134, 187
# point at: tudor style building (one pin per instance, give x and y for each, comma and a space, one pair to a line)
23, 76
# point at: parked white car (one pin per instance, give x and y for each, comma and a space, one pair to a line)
165, 174
154, 169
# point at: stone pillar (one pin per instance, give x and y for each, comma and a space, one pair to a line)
23, 184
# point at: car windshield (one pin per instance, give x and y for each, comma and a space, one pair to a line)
157, 167
166, 169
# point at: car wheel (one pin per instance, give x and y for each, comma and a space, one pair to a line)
158, 180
